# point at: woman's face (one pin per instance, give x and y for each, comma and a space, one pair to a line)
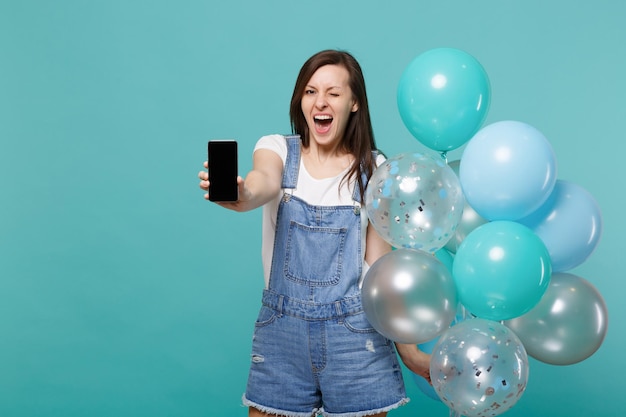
327, 104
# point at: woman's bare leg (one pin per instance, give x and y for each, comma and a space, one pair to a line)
253, 412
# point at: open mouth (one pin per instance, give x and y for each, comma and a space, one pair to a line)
322, 123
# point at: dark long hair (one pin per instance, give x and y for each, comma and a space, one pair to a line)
358, 139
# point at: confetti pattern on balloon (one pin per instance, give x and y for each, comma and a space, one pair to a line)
415, 201
479, 368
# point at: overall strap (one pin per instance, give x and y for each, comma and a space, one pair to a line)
356, 195
292, 164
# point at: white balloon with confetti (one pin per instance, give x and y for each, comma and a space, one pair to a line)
479, 368
414, 201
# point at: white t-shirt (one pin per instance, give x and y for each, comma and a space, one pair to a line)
319, 192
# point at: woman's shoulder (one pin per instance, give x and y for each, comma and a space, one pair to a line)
275, 143
271, 140
380, 158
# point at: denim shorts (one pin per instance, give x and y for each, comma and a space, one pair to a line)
339, 366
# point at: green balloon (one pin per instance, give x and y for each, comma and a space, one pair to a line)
501, 270
443, 98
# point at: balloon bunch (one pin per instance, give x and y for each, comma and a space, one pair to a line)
479, 277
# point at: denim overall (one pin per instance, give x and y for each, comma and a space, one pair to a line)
313, 349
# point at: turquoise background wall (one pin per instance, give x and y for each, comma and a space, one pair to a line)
124, 293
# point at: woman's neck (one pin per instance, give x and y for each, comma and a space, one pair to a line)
323, 162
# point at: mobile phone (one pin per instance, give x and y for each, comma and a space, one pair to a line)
223, 170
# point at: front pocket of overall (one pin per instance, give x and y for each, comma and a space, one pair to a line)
314, 254
266, 316
360, 328
358, 323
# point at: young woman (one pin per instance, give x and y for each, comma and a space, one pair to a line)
313, 350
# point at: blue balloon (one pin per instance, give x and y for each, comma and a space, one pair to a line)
507, 171
501, 270
443, 98
569, 223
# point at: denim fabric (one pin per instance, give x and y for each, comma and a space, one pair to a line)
313, 349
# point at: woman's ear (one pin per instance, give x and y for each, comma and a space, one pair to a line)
355, 106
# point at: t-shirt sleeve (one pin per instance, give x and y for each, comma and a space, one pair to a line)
380, 158
275, 143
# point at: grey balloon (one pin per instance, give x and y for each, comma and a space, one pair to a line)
409, 296
469, 221
568, 324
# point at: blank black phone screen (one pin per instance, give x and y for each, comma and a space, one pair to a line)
223, 170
